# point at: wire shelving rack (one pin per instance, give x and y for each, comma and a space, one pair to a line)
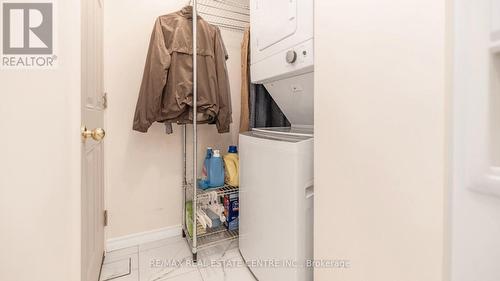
231, 15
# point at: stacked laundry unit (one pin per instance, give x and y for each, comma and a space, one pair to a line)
276, 164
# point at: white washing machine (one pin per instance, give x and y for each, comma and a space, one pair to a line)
276, 203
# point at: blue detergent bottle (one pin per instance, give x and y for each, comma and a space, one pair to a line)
216, 170
203, 183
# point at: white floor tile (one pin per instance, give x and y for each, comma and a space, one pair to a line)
166, 261
232, 253
115, 269
224, 263
218, 252
122, 252
171, 260
212, 273
133, 276
226, 272
131, 253
121, 262
238, 274
190, 276
235, 267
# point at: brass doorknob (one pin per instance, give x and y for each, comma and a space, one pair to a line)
97, 134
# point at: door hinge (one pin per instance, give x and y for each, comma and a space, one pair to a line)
105, 217
105, 100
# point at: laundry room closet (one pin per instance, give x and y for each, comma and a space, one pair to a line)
144, 171
159, 182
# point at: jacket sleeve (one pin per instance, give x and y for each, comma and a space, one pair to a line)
224, 118
153, 81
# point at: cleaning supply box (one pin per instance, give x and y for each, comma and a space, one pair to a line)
231, 211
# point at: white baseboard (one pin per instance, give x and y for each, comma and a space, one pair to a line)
142, 237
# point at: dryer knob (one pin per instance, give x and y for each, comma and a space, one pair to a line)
291, 56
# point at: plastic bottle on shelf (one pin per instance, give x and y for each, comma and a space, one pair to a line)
204, 181
215, 170
231, 162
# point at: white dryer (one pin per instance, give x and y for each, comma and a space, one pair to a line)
282, 55
282, 33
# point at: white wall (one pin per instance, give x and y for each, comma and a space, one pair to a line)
381, 141
144, 171
39, 163
476, 217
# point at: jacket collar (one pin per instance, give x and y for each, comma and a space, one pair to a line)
187, 12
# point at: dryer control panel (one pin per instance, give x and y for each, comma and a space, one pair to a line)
290, 62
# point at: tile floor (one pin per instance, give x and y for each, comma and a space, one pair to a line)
171, 260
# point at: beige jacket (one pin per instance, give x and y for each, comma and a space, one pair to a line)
245, 82
166, 93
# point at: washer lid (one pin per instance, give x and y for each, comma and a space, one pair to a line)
306, 131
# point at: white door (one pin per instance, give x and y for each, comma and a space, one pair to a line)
93, 105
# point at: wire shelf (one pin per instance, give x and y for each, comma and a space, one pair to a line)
221, 191
214, 237
209, 237
227, 14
